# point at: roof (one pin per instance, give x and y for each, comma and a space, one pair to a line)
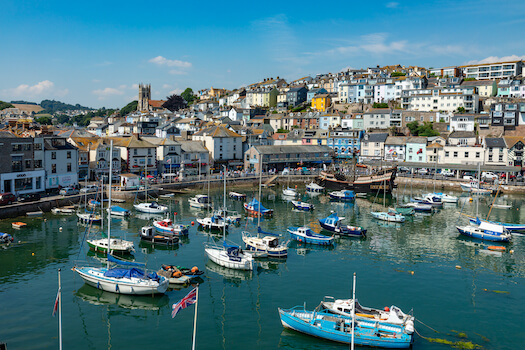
512, 140
292, 149
217, 131
161, 141
156, 103
498, 142
133, 142
376, 137
417, 139
193, 147
435, 145
396, 140
461, 134
83, 143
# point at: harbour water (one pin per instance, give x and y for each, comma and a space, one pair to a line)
414, 265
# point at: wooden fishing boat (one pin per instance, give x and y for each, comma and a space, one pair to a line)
307, 235
332, 223
147, 234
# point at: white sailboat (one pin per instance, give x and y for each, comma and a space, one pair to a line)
134, 280
269, 243
214, 222
149, 207
230, 256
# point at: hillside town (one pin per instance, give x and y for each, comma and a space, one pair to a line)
454, 117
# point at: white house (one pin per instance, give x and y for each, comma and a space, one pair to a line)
395, 148
416, 149
224, 145
60, 162
462, 122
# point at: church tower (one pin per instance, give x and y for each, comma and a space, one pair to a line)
144, 97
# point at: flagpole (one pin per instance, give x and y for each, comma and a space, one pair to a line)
353, 315
59, 312
195, 318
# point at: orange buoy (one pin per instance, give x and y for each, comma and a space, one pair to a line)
192, 223
194, 269
496, 247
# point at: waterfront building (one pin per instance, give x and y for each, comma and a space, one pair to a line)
137, 154
416, 149
291, 156
60, 161
225, 146
372, 146
435, 152
515, 146
195, 158
395, 148
346, 143
168, 153
495, 151
315, 137
462, 148
100, 154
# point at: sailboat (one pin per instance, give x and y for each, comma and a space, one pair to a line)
269, 242
122, 280
90, 216
228, 255
214, 222
149, 207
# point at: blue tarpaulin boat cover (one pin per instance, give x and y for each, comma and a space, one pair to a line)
119, 209
122, 273
255, 204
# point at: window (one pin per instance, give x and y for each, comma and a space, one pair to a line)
53, 155
16, 163
17, 147
135, 152
68, 154
500, 157
466, 154
27, 147
68, 167
38, 182
53, 168
420, 158
149, 151
455, 154
28, 164
24, 184
38, 163
490, 157
38, 146
409, 157
477, 154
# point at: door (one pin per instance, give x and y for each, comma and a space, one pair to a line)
7, 186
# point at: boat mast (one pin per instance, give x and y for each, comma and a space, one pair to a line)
109, 199
353, 314
259, 210
224, 194
101, 205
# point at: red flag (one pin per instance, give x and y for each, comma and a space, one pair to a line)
420, 151
189, 299
55, 308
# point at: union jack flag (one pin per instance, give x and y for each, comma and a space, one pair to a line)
189, 299
55, 308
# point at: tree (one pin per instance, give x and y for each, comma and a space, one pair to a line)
380, 105
130, 107
4, 105
461, 109
188, 95
174, 103
413, 126
427, 129
44, 120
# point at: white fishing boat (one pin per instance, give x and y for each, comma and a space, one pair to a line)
313, 187
200, 201
169, 227
213, 222
64, 210
388, 216
289, 192
445, 198
229, 256
88, 217
151, 207
268, 243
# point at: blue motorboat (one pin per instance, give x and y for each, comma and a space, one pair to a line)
338, 328
302, 205
429, 199
486, 232
118, 211
343, 195
513, 228
306, 235
5, 238
256, 208
332, 223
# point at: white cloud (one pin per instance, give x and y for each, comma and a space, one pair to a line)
44, 88
123, 86
135, 86
107, 92
176, 91
375, 44
163, 61
494, 59
166, 86
392, 5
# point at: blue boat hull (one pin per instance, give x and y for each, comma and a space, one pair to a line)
339, 330
272, 254
483, 237
321, 240
343, 230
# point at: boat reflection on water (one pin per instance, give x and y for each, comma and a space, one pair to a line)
148, 216
150, 247
232, 275
134, 302
102, 257
303, 249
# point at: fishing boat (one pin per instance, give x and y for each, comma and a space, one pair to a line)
18, 224
230, 256
35, 213
338, 328
256, 208
307, 235
231, 216
5, 238
148, 234
302, 205
417, 207
333, 224
169, 227
446, 198
173, 275
200, 201
343, 195
382, 180
314, 188
268, 243
117, 245
88, 217
132, 279
403, 210
213, 222
501, 206
237, 196
289, 192
93, 203
388, 315
118, 211
486, 232
513, 228
474, 187
388, 216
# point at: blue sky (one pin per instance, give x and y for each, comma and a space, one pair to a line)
95, 53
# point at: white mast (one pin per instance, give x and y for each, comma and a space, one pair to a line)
195, 318
109, 199
353, 314
59, 312
260, 195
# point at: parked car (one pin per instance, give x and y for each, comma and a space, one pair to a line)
488, 175
68, 191
422, 171
7, 198
29, 197
404, 169
447, 173
89, 188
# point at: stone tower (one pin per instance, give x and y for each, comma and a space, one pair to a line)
144, 97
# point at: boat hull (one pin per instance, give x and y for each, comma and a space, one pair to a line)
344, 230
313, 239
479, 234
132, 286
147, 208
362, 184
220, 257
255, 244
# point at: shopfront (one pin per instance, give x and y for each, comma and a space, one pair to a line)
61, 180
22, 182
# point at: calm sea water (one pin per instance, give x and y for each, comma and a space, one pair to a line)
411, 265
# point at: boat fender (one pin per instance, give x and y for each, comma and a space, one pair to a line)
387, 309
194, 269
192, 223
176, 274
